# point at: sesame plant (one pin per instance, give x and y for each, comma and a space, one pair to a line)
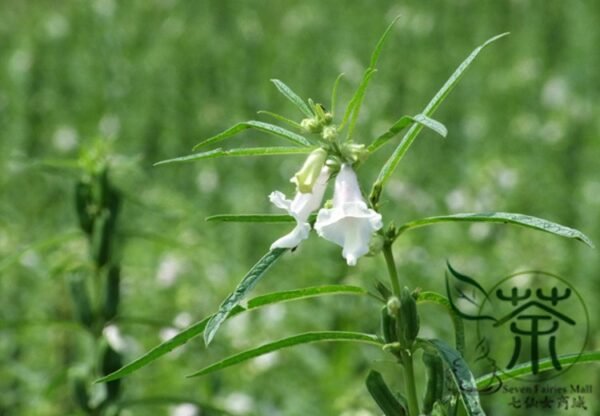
353, 221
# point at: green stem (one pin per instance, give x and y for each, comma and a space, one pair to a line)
409, 380
406, 355
389, 260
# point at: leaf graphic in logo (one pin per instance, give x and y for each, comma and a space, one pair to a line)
460, 287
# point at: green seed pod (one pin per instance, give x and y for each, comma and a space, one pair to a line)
79, 382
110, 361
112, 292
435, 381
385, 399
83, 202
81, 300
409, 316
388, 326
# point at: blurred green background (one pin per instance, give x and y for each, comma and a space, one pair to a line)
151, 78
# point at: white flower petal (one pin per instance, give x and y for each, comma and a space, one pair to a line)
279, 200
293, 238
350, 223
300, 208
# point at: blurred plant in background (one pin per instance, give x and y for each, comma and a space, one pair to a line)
154, 77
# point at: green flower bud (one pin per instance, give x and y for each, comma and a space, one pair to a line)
393, 306
375, 245
329, 133
355, 152
306, 177
311, 125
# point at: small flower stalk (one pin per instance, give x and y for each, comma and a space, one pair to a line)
349, 223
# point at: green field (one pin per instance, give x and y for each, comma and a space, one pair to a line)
126, 84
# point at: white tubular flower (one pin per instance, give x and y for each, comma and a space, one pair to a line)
349, 223
300, 208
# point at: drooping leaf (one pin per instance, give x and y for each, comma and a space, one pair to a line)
293, 97
415, 129
459, 328
246, 285
198, 328
403, 123
396, 128
381, 393
434, 125
305, 338
241, 152
461, 375
545, 364
506, 218
258, 125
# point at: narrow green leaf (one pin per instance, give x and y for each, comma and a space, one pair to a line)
197, 328
435, 102
240, 152
396, 128
404, 122
258, 125
334, 93
381, 393
494, 378
246, 285
262, 218
505, 218
305, 338
434, 125
353, 109
461, 375
356, 102
293, 97
258, 218
281, 118
459, 328
310, 292
381, 42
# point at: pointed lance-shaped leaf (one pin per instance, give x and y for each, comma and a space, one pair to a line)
528, 221
461, 374
240, 152
258, 125
197, 328
415, 129
246, 285
305, 338
293, 97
